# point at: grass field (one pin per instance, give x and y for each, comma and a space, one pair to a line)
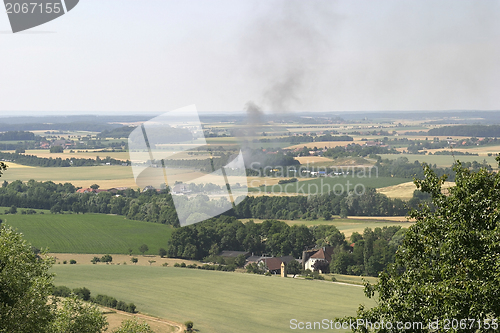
351, 224
89, 233
217, 302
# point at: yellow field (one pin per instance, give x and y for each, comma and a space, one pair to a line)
404, 191
481, 150
328, 144
123, 156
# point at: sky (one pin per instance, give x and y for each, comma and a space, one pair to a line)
150, 56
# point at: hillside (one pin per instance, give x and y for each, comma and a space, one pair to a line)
89, 233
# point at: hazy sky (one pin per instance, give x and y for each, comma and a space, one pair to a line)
157, 55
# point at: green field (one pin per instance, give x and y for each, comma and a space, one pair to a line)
89, 233
323, 185
217, 302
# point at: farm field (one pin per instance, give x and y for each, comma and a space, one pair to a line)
45, 153
404, 191
106, 176
89, 233
442, 160
351, 224
217, 302
339, 184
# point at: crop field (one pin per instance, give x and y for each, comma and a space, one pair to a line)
442, 160
45, 153
341, 184
107, 176
352, 224
405, 190
217, 302
89, 233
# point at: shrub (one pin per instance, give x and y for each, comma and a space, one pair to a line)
95, 260
183, 264
177, 264
82, 293
61, 291
65, 262
165, 264
72, 262
189, 326
106, 258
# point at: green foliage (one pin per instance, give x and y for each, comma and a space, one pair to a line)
61, 291
294, 267
133, 326
56, 149
189, 326
448, 265
82, 293
106, 258
143, 248
162, 252
134, 260
26, 284
75, 316
72, 262
240, 260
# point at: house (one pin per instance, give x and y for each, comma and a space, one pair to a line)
233, 254
84, 190
310, 258
273, 264
148, 188
115, 190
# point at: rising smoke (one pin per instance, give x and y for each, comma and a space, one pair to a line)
285, 49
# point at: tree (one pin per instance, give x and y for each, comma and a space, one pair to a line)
106, 258
143, 248
240, 260
94, 187
448, 263
294, 267
26, 286
162, 252
75, 316
133, 326
189, 326
13, 210
151, 262
56, 149
134, 260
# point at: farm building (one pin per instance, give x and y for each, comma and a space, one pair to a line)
311, 257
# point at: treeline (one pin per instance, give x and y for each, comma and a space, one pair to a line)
467, 130
308, 138
33, 160
366, 254
369, 253
17, 136
324, 206
356, 150
72, 126
104, 300
158, 207
116, 133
